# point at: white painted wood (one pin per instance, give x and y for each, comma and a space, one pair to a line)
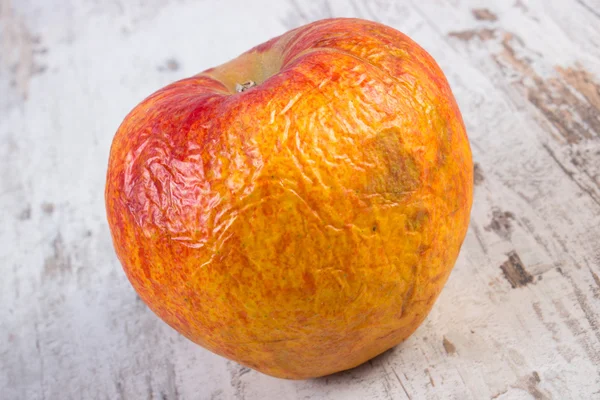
527, 77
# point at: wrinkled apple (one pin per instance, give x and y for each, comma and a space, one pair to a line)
299, 208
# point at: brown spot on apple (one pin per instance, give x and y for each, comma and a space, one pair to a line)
397, 171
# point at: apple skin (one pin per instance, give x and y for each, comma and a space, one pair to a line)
309, 223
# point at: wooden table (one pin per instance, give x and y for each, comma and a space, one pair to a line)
519, 317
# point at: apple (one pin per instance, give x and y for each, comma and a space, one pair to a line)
299, 208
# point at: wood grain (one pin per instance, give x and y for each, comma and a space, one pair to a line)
519, 317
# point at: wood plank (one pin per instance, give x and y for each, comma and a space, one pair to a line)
519, 317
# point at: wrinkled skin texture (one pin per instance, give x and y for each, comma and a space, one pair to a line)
307, 224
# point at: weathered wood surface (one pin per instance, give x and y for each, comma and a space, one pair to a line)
520, 315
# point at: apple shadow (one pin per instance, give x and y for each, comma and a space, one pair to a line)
360, 372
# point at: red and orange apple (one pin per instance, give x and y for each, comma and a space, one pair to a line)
299, 208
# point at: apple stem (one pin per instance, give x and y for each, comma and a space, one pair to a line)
244, 86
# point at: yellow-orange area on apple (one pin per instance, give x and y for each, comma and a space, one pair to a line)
299, 208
